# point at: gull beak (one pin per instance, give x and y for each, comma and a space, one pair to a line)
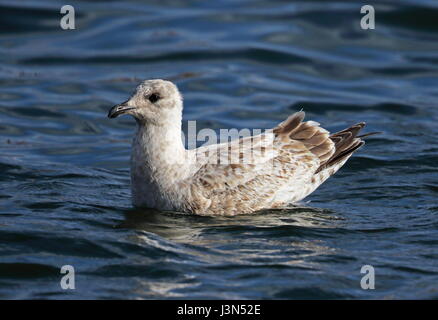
119, 109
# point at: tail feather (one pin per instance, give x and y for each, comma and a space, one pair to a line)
346, 142
332, 150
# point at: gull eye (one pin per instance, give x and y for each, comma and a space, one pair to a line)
154, 97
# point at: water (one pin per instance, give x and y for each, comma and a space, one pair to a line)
65, 197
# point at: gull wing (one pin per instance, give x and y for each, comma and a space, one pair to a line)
268, 170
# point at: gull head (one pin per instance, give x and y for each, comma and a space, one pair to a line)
154, 101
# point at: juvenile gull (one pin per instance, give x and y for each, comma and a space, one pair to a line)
285, 165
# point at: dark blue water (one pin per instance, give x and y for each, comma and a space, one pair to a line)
65, 197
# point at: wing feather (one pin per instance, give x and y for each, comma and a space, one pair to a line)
271, 168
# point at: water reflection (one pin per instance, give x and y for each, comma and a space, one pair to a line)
274, 238
186, 227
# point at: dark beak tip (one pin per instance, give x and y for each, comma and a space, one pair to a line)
112, 113
118, 109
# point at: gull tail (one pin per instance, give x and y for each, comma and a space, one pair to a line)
346, 143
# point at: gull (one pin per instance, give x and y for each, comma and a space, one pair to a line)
271, 170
